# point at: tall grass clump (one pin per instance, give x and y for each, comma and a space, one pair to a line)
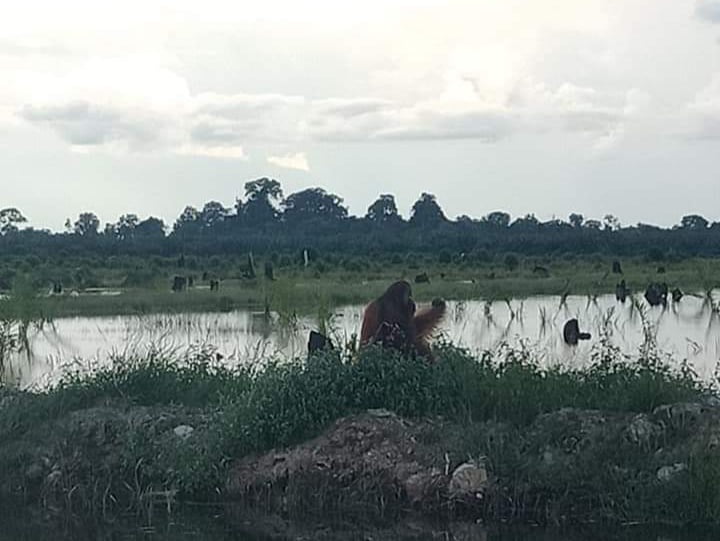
286, 400
20, 312
292, 400
194, 378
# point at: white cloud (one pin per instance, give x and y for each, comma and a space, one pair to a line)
86, 124
464, 111
238, 118
290, 161
209, 151
164, 113
702, 115
487, 89
126, 103
708, 10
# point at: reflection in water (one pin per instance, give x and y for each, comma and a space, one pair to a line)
688, 329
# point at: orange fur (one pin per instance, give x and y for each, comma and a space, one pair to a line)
391, 319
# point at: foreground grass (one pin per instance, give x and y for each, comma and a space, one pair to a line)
250, 410
306, 290
286, 400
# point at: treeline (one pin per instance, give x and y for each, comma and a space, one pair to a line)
267, 221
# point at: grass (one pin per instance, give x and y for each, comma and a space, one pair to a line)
290, 399
323, 285
248, 410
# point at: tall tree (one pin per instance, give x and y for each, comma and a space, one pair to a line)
611, 223
125, 227
151, 228
9, 218
576, 220
87, 224
212, 214
262, 196
694, 222
497, 219
313, 204
529, 222
426, 211
383, 210
188, 223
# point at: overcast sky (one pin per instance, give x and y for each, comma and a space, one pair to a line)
532, 106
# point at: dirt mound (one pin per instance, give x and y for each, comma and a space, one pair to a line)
570, 465
364, 463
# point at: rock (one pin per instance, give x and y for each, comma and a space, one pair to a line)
418, 485
183, 431
641, 430
469, 480
679, 414
380, 412
668, 473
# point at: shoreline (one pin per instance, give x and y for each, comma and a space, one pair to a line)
313, 300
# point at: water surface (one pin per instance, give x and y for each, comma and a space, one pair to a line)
689, 329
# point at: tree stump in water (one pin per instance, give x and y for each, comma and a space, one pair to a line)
318, 342
572, 334
656, 294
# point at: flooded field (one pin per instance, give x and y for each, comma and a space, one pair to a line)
688, 329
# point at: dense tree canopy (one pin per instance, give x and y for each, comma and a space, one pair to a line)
383, 210
426, 211
9, 218
313, 218
87, 224
313, 204
262, 197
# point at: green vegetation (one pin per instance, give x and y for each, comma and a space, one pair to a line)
314, 220
135, 402
137, 285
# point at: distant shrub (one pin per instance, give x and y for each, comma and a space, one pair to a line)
353, 265
655, 254
481, 256
511, 262
140, 278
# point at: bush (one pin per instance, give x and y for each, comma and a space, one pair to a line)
511, 262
